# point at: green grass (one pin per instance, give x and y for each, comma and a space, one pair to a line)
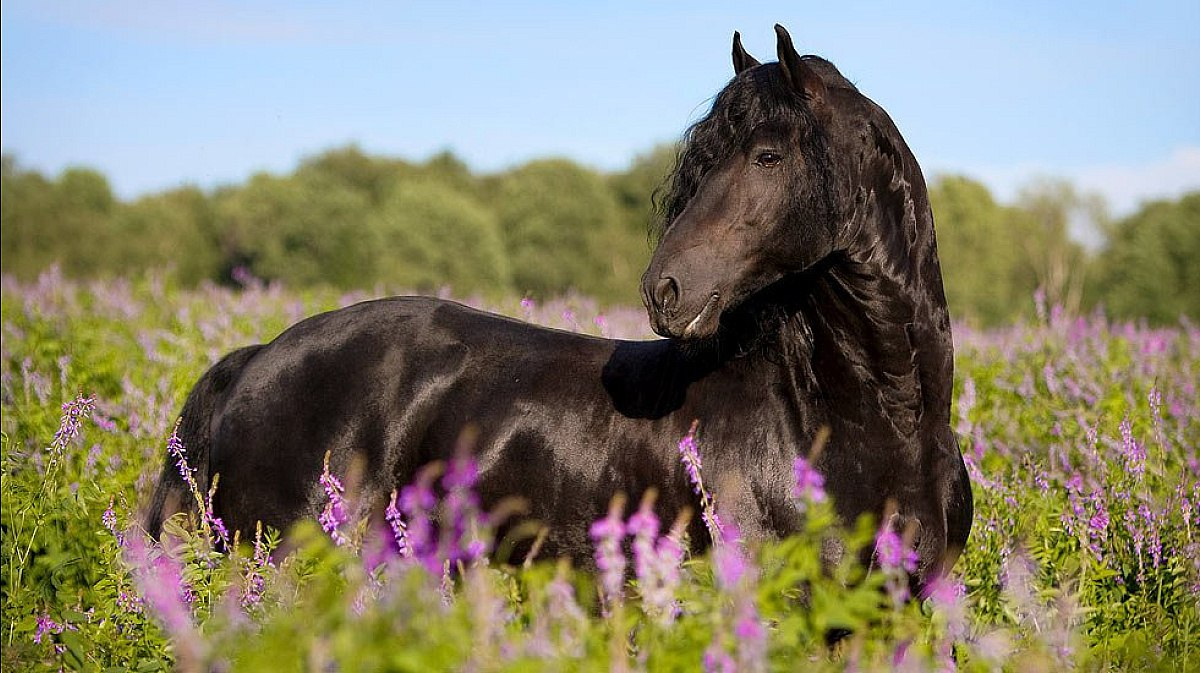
1084, 554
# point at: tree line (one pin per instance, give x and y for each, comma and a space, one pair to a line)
349, 219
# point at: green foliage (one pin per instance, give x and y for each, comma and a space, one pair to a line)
1149, 266
563, 232
1061, 418
980, 250
175, 228
302, 231
348, 219
430, 234
65, 221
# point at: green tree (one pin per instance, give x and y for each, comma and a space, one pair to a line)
303, 230
174, 229
428, 235
980, 252
28, 240
67, 221
371, 176
1148, 266
636, 186
562, 228
1045, 210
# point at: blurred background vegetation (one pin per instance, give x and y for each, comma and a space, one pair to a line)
550, 226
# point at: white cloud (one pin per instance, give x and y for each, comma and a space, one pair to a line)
1123, 186
1126, 187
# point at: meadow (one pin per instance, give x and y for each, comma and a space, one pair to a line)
1080, 434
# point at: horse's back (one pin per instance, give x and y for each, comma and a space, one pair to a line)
383, 386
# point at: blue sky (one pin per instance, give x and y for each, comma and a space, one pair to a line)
157, 94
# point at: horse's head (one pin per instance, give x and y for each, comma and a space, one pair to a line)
765, 186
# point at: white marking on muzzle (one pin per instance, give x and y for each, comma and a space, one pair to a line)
702, 316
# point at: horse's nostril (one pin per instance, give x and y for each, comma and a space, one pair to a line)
666, 295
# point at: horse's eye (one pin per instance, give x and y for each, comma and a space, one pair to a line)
768, 159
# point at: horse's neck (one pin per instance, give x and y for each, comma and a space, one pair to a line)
866, 340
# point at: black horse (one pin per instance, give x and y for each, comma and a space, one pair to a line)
796, 280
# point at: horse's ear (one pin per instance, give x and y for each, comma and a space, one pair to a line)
741, 60
802, 78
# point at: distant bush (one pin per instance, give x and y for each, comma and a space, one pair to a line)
427, 234
348, 219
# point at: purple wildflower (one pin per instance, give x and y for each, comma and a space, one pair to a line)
896, 559
93, 455
751, 637
161, 584
1051, 378
809, 484
570, 618
656, 562
46, 625
735, 576
1153, 540
892, 553
689, 455
109, 519
214, 522
255, 584
71, 423
399, 531
1156, 402
416, 502
717, 660
643, 526
211, 523
463, 537
730, 565
334, 513
1039, 303
1133, 451
607, 535
1098, 525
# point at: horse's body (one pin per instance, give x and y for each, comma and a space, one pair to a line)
797, 281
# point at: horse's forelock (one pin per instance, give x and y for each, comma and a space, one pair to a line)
752, 98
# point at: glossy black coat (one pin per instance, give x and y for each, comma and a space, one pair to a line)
796, 281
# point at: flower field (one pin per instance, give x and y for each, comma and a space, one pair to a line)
1080, 434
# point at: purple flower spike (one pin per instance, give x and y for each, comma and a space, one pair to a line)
71, 423
46, 625
109, 519
399, 531
689, 455
1132, 450
810, 485
892, 553
896, 559
717, 660
656, 562
161, 584
416, 502
464, 525
607, 535
334, 514
730, 564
